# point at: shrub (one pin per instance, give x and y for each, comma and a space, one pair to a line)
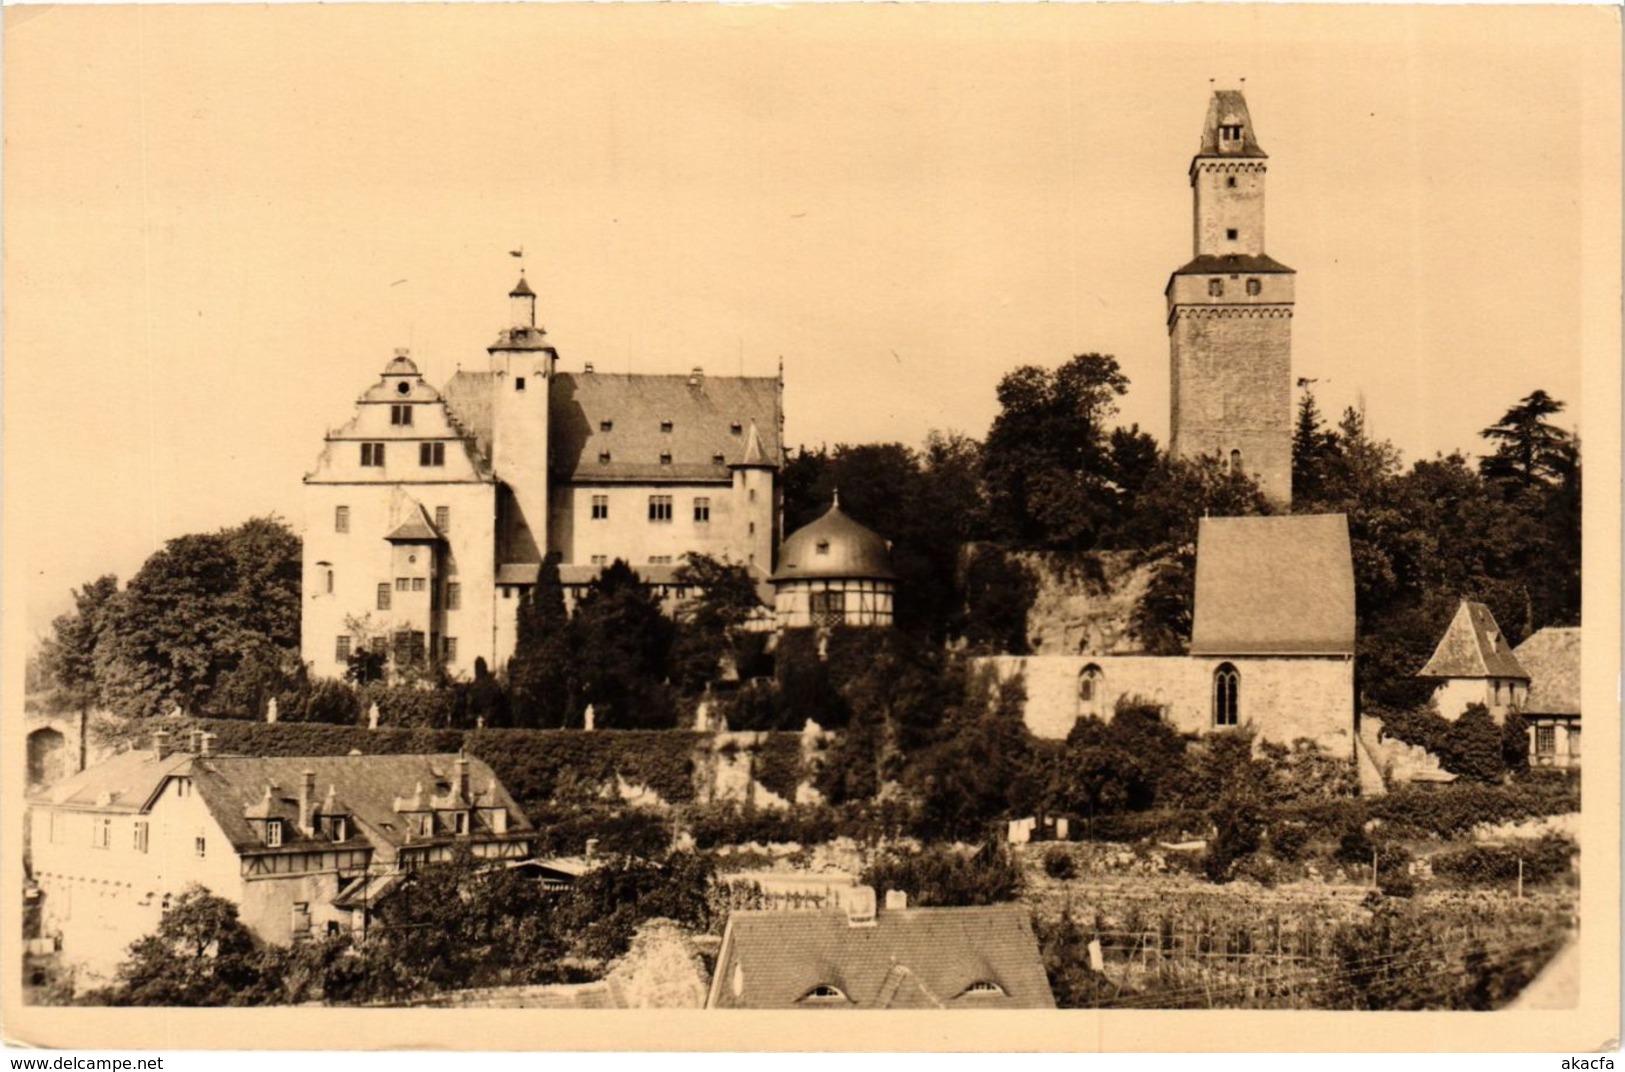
622, 832
944, 876
1515, 743
1474, 747
1058, 863
1239, 821
1288, 840
1544, 860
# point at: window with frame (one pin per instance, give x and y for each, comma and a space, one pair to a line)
659, 560
600, 507
1215, 288
420, 584
341, 519
400, 416
301, 918
1230, 132
702, 510
1545, 740
1091, 686
454, 595
341, 649
141, 836
403, 584
383, 595
1226, 695
600, 560
448, 649
827, 608
273, 833
660, 508
442, 518
459, 823
431, 454
372, 454
101, 834
410, 646
200, 847
1254, 288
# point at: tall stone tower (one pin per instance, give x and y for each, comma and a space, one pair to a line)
1230, 314
523, 365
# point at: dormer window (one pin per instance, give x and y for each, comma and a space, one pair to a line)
603, 457
823, 993
665, 426
665, 457
1230, 132
736, 428
273, 833
606, 426
984, 989
822, 547
340, 828
459, 823
718, 459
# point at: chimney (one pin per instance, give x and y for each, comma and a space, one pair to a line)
462, 777
307, 797
860, 906
896, 900
208, 740
592, 847
160, 743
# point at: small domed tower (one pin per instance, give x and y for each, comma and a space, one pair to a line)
834, 572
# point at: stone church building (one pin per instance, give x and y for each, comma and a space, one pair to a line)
1272, 640
429, 512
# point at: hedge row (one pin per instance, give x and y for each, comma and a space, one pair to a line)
535, 765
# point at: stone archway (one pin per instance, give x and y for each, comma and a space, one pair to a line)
48, 758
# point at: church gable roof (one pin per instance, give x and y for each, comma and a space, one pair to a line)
1274, 586
658, 427
1552, 659
1473, 646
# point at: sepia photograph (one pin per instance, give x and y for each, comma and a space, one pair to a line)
528, 513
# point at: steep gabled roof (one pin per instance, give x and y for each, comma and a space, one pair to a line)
1552, 659
126, 782
1229, 107
908, 958
417, 528
1274, 586
1473, 646
702, 412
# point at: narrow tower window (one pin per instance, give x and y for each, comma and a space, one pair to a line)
1231, 233
518, 383
442, 518
1230, 181
341, 519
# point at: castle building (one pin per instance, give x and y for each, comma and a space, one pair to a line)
429, 512
1230, 314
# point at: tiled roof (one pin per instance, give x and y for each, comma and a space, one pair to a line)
1552, 659
625, 416
368, 785
417, 528
834, 545
521, 289
1228, 106
1274, 586
908, 958
1233, 264
1473, 646
125, 782
235, 788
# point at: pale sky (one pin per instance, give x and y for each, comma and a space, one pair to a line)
219, 222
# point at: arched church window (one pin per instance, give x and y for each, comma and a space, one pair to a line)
1226, 687
1091, 686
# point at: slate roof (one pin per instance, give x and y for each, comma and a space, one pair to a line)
1234, 264
1552, 659
850, 550
915, 958
1224, 107
234, 788
703, 411
1473, 646
1274, 586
